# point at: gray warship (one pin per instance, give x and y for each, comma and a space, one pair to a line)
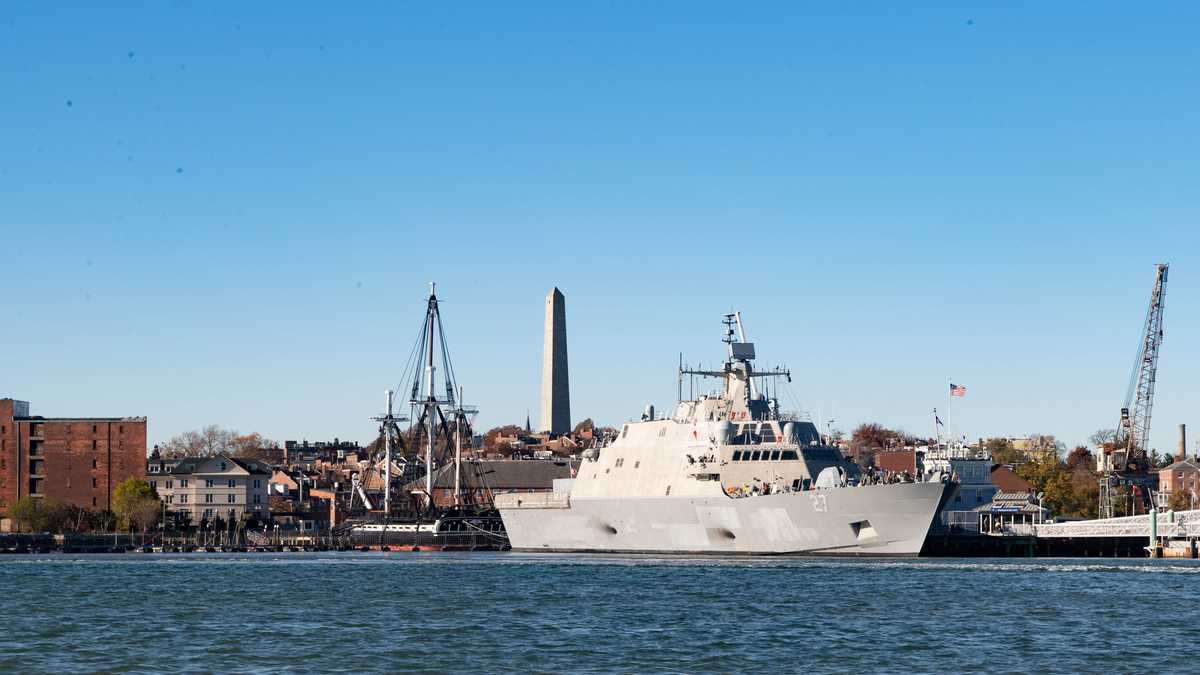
727, 473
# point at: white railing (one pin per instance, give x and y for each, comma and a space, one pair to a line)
1186, 525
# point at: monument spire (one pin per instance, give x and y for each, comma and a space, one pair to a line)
556, 396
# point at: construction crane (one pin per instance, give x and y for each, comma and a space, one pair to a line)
1127, 463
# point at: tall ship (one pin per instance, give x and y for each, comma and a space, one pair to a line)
394, 501
727, 473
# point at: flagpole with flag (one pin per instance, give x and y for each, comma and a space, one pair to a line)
949, 412
955, 390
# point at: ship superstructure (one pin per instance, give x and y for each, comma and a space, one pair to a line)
726, 473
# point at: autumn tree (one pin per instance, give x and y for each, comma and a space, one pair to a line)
869, 439
1002, 451
130, 502
1180, 501
491, 437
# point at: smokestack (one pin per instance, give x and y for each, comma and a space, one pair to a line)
1182, 441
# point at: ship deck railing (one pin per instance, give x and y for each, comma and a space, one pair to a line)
533, 500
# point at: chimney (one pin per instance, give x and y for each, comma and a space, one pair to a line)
1182, 442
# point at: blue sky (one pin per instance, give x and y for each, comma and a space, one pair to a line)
219, 214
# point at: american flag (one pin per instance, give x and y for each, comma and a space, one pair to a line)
956, 390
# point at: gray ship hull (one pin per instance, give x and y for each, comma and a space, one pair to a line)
876, 520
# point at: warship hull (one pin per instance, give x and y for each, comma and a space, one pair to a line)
872, 520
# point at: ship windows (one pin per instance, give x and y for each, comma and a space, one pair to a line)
774, 455
789, 454
767, 433
619, 463
754, 456
668, 490
624, 431
737, 455
637, 464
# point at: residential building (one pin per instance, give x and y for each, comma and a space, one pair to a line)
79, 460
1181, 476
211, 487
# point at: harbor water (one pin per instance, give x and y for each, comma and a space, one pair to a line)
527, 612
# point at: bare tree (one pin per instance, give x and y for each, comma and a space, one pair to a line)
212, 440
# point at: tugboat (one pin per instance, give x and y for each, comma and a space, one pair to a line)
727, 473
438, 422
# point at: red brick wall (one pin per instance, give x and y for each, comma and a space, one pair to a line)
82, 461
8, 456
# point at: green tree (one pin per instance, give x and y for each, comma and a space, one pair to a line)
128, 500
41, 514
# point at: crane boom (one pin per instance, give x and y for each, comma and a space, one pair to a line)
1134, 428
1126, 481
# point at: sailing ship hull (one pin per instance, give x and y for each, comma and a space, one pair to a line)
875, 520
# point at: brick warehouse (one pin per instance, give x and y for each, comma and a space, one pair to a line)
78, 460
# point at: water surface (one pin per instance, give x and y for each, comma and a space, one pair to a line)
528, 612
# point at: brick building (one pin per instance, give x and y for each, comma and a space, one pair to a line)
79, 460
1183, 476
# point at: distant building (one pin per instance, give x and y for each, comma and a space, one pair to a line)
211, 487
304, 453
480, 480
80, 460
1183, 476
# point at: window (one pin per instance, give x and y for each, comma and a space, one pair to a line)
257, 499
182, 482
170, 484
93, 444
183, 499
754, 456
232, 499
93, 501
619, 463
154, 484
637, 464
208, 482
668, 490
207, 499
222, 466
93, 482
737, 455
257, 483
94, 464
232, 483
624, 431
153, 467
789, 454
170, 499
774, 455
120, 428
93, 428
208, 513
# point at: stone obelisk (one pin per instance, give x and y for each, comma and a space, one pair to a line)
556, 392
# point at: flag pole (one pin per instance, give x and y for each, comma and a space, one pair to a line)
937, 434
949, 411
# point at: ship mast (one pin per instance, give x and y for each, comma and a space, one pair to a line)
436, 411
387, 427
